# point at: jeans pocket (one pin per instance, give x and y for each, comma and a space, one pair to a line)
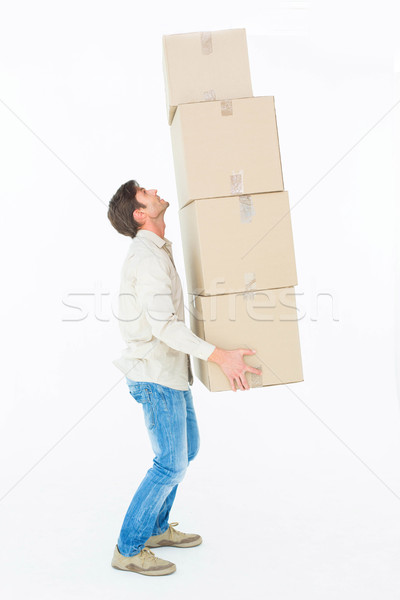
137, 395
136, 389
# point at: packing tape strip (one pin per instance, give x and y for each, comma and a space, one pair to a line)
247, 210
255, 379
249, 285
250, 281
206, 42
248, 296
237, 183
209, 95
226, 108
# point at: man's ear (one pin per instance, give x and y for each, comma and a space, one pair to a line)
138, 215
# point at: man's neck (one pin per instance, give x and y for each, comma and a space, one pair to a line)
157, 229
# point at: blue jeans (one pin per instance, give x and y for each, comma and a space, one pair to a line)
172, 426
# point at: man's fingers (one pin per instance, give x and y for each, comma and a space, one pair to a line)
244, 383
247, 351
238, 383
254, 370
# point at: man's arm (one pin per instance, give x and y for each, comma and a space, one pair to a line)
154, 292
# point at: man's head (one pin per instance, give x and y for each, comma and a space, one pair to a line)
133, 207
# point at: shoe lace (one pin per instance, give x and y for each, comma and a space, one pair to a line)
147, 553
172, 529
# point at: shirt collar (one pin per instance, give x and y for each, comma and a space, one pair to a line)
150, 235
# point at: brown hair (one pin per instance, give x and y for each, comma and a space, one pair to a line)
121, 207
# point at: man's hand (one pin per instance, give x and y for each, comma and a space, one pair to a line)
233, 365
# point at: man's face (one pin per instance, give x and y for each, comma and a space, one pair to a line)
155, 206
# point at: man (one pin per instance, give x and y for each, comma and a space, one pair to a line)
157, 367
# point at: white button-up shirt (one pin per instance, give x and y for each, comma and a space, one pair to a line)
151, 317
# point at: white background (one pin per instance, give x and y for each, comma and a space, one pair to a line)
296, 489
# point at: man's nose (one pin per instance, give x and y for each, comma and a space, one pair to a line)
153, 191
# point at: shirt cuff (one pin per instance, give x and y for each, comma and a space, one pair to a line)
205, 350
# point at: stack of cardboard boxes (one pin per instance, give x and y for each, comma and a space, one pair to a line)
234, 213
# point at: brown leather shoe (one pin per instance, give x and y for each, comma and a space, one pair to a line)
173, 537
145, 563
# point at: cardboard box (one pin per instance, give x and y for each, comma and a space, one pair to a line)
226, 149
265, 321
238, 244
205, 66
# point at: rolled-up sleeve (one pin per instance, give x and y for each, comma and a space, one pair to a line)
153, 288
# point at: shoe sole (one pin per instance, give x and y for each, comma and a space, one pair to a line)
188, 545
166, 571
